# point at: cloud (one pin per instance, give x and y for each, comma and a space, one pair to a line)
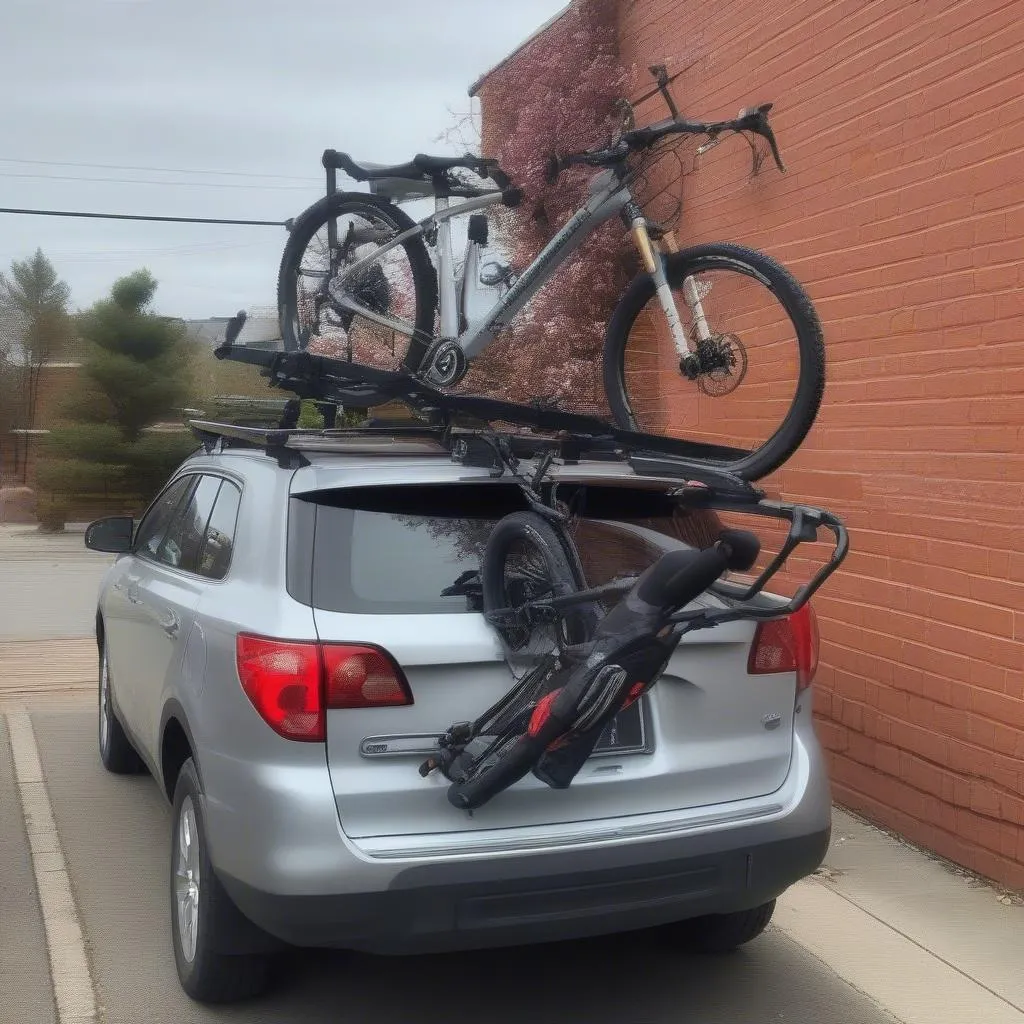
260, 87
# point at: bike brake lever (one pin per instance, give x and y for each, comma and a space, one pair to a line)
552, 169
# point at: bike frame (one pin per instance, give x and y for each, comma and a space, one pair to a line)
610, 195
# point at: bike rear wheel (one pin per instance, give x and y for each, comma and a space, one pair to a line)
401, 285
527, 559
754, 373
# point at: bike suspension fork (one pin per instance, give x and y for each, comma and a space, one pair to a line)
655, 266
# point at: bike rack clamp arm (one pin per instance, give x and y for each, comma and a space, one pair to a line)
805, 522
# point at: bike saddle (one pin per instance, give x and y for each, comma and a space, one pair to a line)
371, 172
420, 168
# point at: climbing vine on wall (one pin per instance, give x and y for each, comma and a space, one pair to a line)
558, 93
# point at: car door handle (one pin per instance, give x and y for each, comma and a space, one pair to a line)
169, 623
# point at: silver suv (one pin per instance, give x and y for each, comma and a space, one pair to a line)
275, 648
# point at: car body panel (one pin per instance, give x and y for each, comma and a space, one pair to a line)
299, 821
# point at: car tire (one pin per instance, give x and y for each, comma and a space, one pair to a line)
720, 933
116, 751
203, 918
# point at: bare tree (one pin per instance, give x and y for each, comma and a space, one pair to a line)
34, 326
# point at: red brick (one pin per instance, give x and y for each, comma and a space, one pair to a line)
903, 213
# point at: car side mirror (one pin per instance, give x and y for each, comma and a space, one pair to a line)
112, 534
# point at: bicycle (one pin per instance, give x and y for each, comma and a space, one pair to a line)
372, 252
583, 669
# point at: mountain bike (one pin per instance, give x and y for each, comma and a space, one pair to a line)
691, 328
579, 668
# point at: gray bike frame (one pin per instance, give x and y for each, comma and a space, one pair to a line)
609, 196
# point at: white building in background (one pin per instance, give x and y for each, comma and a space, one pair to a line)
262, 329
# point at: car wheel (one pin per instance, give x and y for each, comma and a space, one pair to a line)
203, 918
116, 751
720, 933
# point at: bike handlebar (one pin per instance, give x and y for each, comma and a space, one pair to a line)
753, 120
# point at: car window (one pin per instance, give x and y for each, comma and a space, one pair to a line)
218, 542
396, 550
611, 548
153, 527
185, 537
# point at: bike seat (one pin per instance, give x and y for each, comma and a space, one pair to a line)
371, 172
420, 168
438, 164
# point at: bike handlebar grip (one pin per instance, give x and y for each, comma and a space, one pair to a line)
497, 175
770, 136
467, 796
552, 169
330, 159
764, 129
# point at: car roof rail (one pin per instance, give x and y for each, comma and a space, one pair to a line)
482, 447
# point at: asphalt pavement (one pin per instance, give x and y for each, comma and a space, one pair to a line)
114, 835
883, 933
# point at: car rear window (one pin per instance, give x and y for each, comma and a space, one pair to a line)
394, 550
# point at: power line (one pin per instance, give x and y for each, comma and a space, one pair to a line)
150, 181
139, 216
162, 170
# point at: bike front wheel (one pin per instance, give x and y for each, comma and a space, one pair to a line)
324, 242
753, 374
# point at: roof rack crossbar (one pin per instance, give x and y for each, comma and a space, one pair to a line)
455, 416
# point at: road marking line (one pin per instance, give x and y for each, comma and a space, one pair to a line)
900, 975
73, 987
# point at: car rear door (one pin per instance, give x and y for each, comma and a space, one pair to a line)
171, 582
380, 564
126, 622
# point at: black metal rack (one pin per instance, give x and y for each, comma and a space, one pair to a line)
462, 426
462, 422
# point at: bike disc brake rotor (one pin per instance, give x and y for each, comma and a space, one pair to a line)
723, 365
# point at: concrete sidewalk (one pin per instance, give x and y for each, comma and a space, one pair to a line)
926, 940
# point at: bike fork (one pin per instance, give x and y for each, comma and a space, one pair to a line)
655, 266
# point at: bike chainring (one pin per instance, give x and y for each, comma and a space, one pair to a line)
717, 366
446, 364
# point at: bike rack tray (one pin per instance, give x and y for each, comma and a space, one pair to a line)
577, 435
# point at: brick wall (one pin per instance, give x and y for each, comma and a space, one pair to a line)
902, 125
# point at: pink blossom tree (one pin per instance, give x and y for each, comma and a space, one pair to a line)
557, 94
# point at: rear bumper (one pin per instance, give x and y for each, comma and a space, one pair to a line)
426, 909
280, 851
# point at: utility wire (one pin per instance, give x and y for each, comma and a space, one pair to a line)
139, 216
162, 170
151, 181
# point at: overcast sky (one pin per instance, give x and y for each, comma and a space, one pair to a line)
260, 87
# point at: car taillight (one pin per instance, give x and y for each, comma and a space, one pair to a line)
363, 677
292, 684
787, 645
283, 681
